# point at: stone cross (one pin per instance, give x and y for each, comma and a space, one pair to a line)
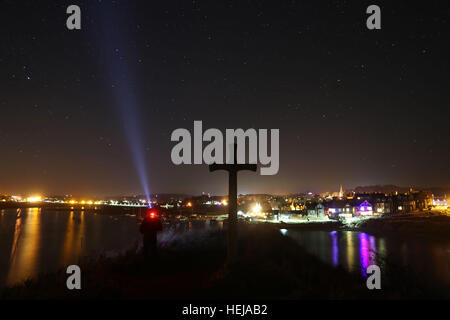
232, 201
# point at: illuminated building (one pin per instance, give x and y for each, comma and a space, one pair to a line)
338, 207
365, 209
440, 201
315, 210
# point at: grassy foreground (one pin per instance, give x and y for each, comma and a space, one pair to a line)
272, 267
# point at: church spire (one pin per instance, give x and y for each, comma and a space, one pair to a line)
341, 193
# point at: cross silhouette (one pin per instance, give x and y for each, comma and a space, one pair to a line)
232, 201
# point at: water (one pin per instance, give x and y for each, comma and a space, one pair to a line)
355, 251
33, 241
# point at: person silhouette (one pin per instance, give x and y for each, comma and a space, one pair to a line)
149, 229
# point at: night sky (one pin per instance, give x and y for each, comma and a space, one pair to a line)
354, 106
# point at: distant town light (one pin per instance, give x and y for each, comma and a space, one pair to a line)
34, 199
257, 208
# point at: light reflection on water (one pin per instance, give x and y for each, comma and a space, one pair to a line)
34, 241
355, 251
350, 251
24, 256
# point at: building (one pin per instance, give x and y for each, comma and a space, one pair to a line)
364, 209
339, 208
316, 210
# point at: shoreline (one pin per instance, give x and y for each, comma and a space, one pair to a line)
425, 225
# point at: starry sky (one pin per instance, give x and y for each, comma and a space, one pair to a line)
354, 106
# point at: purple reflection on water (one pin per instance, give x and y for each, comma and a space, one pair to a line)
373, 249
334, 248
364, 252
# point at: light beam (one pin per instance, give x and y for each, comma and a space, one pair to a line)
116, 44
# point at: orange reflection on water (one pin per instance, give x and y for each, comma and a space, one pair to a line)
350, 251
73, 240
25, 248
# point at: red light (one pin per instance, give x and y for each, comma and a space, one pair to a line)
152, 215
